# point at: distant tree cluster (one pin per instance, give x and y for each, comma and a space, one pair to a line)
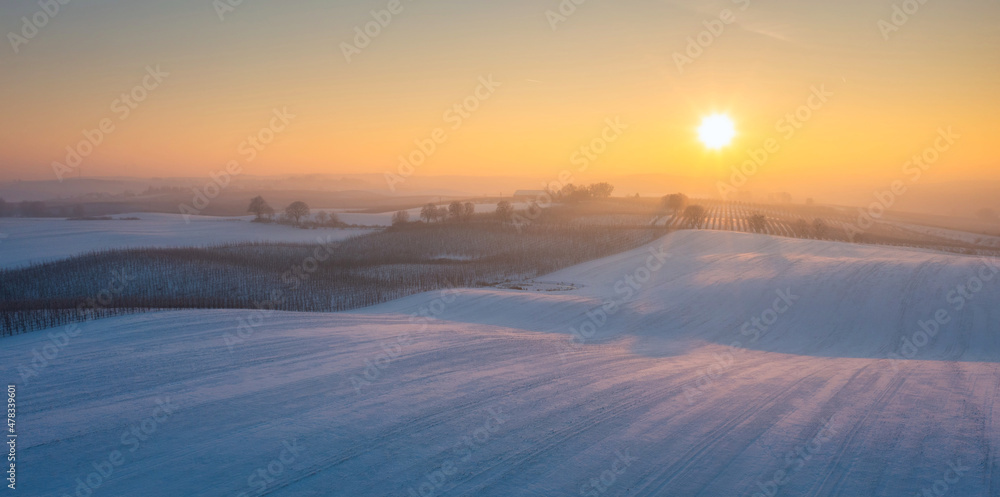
328, 219
455, 212
458, 211
573, 193
400, 217
297, 213
817, 228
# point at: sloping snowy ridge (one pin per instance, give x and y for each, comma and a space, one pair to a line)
707, 363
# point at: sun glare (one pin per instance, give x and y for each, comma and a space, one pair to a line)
716, 131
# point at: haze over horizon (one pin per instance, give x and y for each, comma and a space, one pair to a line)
872, 87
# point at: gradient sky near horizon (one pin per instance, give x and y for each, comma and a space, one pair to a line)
608, 59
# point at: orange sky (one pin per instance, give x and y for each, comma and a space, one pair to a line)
557, 87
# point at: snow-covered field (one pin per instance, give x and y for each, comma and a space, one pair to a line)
959, 236
27, 240
708, 363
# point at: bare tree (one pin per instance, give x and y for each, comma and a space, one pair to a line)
260, 208
297, 210
322, 218
505, 211
400, 217
567, 191
468, 210
695, 215
573, 193
675, 202
455, 210
757, 223
429, 213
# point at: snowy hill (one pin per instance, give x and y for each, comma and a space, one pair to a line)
844, 300
25, 241
488, 391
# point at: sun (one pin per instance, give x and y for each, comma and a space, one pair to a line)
716, 131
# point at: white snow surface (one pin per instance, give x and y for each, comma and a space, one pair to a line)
24, 241
492, 397
959, 236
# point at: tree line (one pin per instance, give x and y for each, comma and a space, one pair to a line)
296, 213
